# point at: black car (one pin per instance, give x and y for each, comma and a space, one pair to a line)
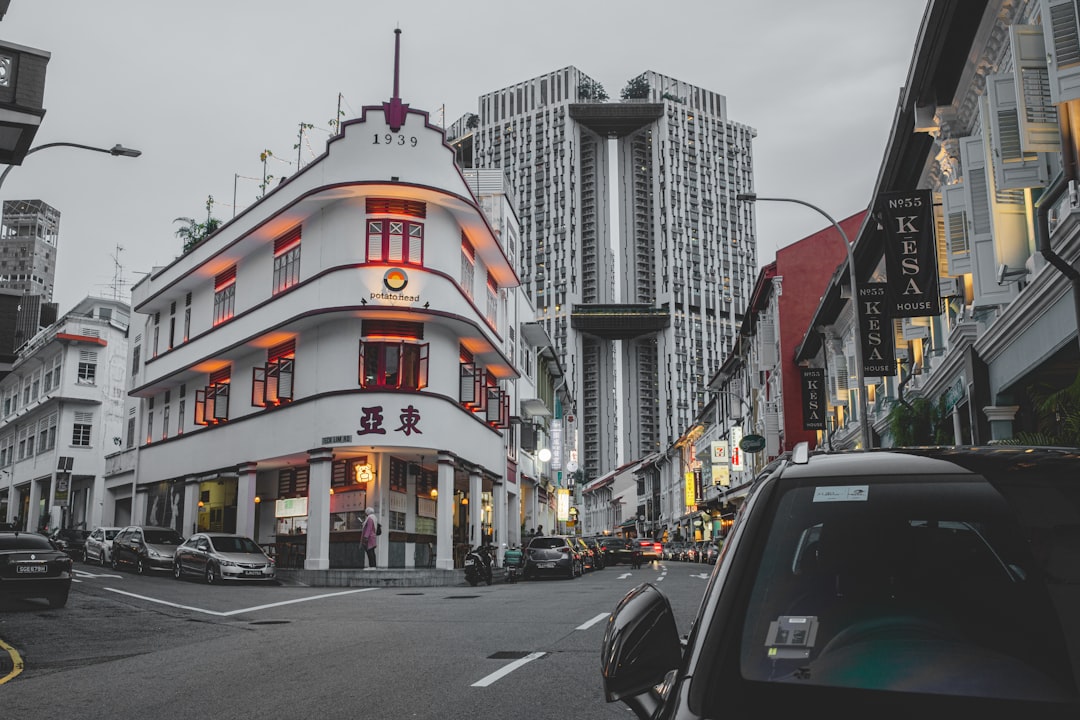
145, 548
32, 567
929, 582
616, 551
70, 540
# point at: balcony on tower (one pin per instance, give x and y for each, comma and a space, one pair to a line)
618, 321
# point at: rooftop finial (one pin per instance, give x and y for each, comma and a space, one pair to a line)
395, 110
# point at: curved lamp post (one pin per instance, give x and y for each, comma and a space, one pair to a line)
864, 418
116, 149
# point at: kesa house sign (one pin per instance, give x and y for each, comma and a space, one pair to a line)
910, 253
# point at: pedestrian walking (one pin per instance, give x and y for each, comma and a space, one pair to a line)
367, 539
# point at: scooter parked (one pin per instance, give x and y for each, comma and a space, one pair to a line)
478, 565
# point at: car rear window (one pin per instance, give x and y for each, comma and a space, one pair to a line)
547, 543
24, 541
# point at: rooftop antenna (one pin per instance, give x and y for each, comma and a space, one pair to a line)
395, 110
118, 272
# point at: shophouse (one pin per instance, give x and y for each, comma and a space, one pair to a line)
62, 410
341, 344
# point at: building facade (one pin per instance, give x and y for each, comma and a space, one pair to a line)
61, 412
633, 249
342, 344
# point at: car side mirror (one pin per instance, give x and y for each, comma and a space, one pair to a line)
641, 645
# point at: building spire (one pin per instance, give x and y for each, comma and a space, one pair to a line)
395, 111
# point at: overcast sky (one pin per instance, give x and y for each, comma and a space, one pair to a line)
203, 87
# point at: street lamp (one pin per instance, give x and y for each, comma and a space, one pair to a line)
864, 420
116, 150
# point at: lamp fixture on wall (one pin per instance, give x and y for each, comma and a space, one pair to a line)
364, 473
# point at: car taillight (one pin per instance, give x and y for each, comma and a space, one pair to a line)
564, 550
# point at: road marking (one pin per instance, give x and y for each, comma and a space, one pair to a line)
703, 576
484, 682
16, 662
626, 575
84, 573
241, 610
589, 624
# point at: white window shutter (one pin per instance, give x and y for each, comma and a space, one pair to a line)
954, 204
1013, 168
768, 344
1036, 112
1062, 33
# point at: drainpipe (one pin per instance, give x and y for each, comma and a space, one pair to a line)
1042, 205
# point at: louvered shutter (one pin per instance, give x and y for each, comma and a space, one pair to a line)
258, 386
772, 433
1062, 36
285, 379
1036, 113
954, 204
1013, 168
984, 259
768, 344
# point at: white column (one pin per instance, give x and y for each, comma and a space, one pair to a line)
191, 506
97, 501
33, 516
444, 526
500, 527
318, 528
245, 499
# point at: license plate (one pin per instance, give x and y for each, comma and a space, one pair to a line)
40, 568
469, 562
545, 565
253, 572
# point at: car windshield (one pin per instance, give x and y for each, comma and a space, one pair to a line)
24, 541
235, 545
902, 586
110, 534
162, 537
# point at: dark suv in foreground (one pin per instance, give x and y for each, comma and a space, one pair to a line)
928, 583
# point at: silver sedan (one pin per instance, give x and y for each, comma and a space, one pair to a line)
222, 556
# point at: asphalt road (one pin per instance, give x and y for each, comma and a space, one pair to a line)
153, 647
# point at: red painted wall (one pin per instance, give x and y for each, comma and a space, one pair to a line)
806, 266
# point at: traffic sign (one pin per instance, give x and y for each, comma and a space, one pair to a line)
752, 443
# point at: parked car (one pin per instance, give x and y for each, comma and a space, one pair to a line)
916, 582
32, 567
597, 551
70, 540
145, 548
588, 557
649, 549
552, 555
616, 551
710, 550
98, 546
222, 556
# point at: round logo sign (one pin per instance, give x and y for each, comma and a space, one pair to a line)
752, 443
395, 279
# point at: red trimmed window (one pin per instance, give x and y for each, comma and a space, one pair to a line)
468, 265
272, 384
287, 260
224, 295
492, 300
395, 241
212, 401
387, 364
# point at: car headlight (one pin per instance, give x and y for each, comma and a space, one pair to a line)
155, 554
227, 563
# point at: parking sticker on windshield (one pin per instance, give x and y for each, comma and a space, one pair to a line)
841, 493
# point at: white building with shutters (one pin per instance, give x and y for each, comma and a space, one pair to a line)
61, 412
341, 344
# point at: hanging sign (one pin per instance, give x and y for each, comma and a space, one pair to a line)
875, 331
910, 253
813, 398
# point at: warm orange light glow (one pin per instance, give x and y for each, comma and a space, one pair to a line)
272, 339
434, 493
210, 366
464, 501
201, 503
331, 491
258, 499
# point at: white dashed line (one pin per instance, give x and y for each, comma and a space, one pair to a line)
590, 623
484, 682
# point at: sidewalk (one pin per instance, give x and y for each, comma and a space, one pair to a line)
379, 577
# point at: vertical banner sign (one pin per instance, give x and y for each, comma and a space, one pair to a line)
876, 331
698, 490
562, 504
690, 491
556, 445
910, 253
813, 398
736, 451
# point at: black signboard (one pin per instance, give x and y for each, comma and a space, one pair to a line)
813, 398
910, 253
875, 331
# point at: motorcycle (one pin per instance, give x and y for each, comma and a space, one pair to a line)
514, 562
478, 566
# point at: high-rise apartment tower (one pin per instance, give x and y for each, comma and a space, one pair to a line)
633, 248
